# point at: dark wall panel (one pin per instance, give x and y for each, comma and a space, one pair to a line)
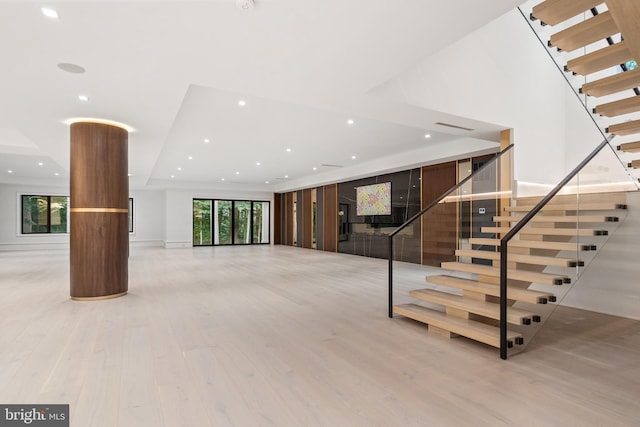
288, 214
319, 217
439, 236
277, 219
330, 218
299, 225
307, 219
368, 235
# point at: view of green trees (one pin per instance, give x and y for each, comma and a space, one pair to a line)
44, 214
236, 222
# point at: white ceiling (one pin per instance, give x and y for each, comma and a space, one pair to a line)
175, 71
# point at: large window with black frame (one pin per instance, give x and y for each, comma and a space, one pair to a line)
45, 214
230, 222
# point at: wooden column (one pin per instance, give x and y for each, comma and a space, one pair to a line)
99, 206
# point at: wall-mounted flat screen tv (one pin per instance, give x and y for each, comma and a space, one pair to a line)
373, 199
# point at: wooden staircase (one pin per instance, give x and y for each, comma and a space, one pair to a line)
469, 306
599, 20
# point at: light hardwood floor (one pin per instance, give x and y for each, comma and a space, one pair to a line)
277, 336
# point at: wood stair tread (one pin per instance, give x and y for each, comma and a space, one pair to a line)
630, 147
483, 308
553, 12
634, 164
569, 207
516, 294
612, 84
522, 258
618, 108
535, 244
584, 33
521, 275
474, 330
548, 231
601, 59
560, 218
626, 128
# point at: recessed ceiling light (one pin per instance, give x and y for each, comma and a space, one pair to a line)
426, 135
100, 121
257, 163
237, 173
286, 176
244, 5
9, 171
221, 179
71, 68
315, 168
40, 163
266, 182
288, 150
179, 168
206, 140
49, 12
190, 157
56, 174
173, 176
350, 122
242, 103
84, 98
129, 174
353, 157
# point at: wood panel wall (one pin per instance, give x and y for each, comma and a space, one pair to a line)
330, 218
307, 219
277, 219
288, 218
439, 232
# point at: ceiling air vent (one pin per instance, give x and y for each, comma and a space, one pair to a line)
454, 126
332, 166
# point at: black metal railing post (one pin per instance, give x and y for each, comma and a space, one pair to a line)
516, 229
390, 276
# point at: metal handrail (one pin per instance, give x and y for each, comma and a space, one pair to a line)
422, 212
516, 229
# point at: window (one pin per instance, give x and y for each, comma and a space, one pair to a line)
230, 222
45, 214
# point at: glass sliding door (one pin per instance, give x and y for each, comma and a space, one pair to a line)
260, 219
241, 222
202, 224
223, 221
230, 222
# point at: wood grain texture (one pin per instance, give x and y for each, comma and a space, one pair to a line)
280, 336
626, 14
307, 220
613, 84
553, 12
277, 219
626, 128
439, 227
586, 32
289, 219
99, 194
330, 218
601, 59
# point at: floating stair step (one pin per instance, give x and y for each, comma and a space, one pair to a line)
535, 244
635, 164
553, 12
516, 294
630, 147
626, 13
477, 331
522, 275
549, 231
482, 308
557, 218
618, 108
601, 59
586, 32
521, 258
568, 207
627, 128
612, 84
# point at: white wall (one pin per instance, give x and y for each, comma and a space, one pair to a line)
500, 74
10, 226
178, 209
148, 218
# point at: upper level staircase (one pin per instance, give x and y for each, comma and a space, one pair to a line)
602, 41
